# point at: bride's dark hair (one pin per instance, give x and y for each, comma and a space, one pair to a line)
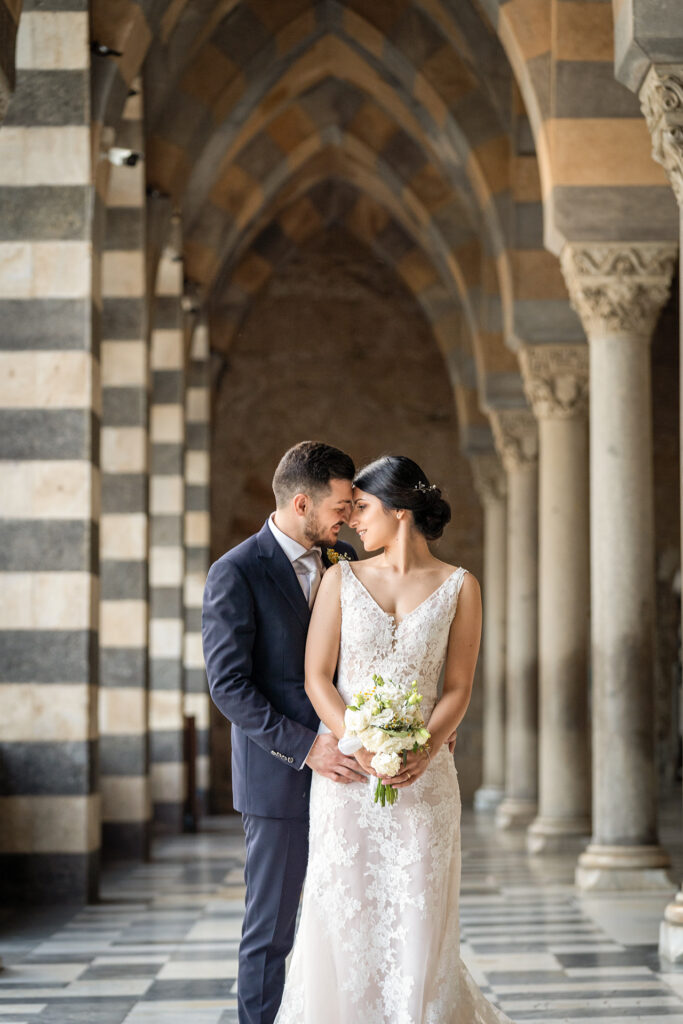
399, 482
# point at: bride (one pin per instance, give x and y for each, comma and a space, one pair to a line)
378, 940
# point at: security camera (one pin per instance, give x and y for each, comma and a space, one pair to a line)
123, 157
102, 50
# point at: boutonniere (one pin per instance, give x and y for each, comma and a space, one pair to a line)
337, 556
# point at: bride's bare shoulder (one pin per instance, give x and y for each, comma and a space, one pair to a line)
448, 569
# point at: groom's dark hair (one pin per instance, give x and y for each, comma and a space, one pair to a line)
307, 468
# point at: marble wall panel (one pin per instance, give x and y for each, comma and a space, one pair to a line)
124, 534
166, 553
49, 506
197, 541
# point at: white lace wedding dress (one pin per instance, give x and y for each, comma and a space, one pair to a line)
378, 940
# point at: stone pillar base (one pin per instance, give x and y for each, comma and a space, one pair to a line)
671, 942
671, 931
487, 798
623, 868
514, 812
558, 835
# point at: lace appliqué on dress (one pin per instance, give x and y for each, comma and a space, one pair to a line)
378, 939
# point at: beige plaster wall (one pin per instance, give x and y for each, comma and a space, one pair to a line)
335, 348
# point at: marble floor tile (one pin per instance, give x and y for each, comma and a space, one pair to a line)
187, 969
41, 974
216, 928
29, 1008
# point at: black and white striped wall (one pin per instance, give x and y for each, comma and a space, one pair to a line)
124, 540
166, 553
197, 539
103, 507
50, 412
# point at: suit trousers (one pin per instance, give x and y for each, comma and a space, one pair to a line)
274, 870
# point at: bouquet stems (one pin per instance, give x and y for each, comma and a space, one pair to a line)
385, 794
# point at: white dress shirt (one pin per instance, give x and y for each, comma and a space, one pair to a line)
306, 562
308, 566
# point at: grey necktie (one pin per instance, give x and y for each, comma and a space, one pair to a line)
312, 564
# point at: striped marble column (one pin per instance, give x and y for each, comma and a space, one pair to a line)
49, 448
197, 417
124, 757
166, 554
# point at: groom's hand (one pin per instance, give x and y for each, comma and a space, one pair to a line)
325, 758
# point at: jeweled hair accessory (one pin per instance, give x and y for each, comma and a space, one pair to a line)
422, 486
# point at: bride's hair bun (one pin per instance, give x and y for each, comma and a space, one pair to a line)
399, 482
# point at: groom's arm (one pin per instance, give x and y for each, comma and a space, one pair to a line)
228, 632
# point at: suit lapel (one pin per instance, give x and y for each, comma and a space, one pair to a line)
280, 570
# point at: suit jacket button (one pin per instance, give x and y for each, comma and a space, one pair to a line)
290, 760
273, 752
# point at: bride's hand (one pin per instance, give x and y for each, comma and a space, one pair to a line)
415, 766
364, 757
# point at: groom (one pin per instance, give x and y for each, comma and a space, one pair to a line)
256, 612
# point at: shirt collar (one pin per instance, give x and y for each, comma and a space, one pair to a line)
291, 547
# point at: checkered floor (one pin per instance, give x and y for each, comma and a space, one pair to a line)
161, 946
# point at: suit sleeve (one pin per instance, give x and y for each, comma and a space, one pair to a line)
228, 632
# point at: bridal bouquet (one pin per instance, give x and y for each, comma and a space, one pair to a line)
385, 719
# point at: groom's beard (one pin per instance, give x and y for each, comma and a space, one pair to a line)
315, 534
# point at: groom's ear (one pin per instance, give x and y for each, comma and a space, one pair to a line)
301, 504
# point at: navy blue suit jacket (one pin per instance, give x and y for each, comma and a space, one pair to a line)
254, 624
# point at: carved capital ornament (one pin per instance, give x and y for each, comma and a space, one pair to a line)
661, 100
515, 434
556, 380
618, 287
489, 477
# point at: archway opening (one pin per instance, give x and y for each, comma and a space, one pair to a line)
336, 347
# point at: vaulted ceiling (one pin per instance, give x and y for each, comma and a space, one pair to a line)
463, 141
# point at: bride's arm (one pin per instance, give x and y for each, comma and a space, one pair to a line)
322, 653
461, 661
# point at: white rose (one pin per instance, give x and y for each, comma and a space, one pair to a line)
383, 717
372, 738
391, 744
393, 693
356, 721
386, 765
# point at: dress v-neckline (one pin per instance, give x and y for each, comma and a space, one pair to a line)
390, 615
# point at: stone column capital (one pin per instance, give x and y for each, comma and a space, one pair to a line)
515, 434
661, 100
618, 287
556, 380
489, 477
